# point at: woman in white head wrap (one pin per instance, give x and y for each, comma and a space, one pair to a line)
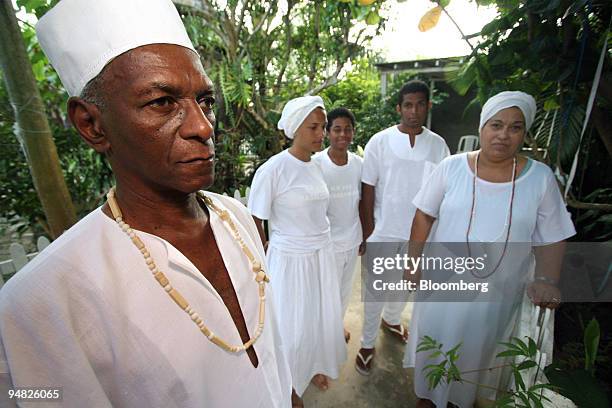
289, 191
495, 196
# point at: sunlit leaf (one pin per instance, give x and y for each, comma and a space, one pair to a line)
551, 104
430, 19
39, 70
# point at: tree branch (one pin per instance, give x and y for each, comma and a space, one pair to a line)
588, 206
288, 40
329, 81
240, 22
256, 29
262, 122
315, 51
457, 25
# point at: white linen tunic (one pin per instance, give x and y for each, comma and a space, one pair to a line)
539, 218
397, 170
87, 315
292, 195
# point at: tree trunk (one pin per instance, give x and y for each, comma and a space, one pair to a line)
31, 127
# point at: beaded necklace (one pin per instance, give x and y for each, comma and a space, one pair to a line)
260, 276
473, 212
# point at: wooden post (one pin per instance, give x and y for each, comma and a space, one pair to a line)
31, 125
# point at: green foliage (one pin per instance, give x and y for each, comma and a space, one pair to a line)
591, 344
579, 385
446, 370
525, 395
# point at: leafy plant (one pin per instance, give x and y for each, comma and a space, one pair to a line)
578, 385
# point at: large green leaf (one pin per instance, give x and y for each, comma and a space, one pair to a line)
591, 344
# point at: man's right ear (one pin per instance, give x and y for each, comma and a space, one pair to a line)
87, 120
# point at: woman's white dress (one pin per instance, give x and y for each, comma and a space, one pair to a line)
293, 196
539, 218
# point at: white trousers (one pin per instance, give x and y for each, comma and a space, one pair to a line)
390, 310
345, 266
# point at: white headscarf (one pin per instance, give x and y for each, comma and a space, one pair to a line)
81, 36
295, 111
509, 99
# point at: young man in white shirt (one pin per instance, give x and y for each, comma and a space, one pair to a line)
397, 160
342, 173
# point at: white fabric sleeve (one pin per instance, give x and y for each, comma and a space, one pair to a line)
263, 190
554, 222
429, 198
369, 170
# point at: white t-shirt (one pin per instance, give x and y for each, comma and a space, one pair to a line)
397, 170
539, 215
344, 185
87, 315
293, 196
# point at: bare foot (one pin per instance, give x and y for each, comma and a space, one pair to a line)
320, 381
347, 335
296, 401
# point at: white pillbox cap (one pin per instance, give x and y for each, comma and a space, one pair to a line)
81, 36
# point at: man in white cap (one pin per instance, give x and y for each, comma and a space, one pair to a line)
157, 298
396, 162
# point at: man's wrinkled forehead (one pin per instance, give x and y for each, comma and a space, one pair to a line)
156, 64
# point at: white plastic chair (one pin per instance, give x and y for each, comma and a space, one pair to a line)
467, 143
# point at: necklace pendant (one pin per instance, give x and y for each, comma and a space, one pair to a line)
261, 276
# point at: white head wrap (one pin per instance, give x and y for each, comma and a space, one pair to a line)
81, 36
509, 99
295, 111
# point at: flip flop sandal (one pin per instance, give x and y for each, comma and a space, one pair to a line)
401, 334
366, 364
